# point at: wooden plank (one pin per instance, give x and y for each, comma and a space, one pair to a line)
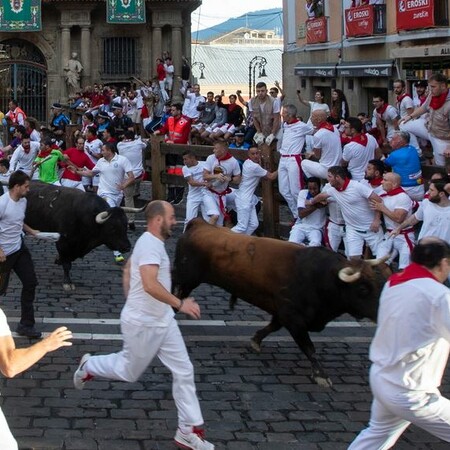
158, 168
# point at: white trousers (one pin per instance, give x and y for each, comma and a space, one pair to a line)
247, 219
415, 192
416, 127
314, 169
335, 234
394, 409
140, 345
399, 243
355, 241
299, 234
72, 184
113, 201
289, 182
193, 204
6, 438
439, 147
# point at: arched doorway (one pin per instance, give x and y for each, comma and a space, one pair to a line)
23, 76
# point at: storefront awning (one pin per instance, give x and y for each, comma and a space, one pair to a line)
366, 68
316, 70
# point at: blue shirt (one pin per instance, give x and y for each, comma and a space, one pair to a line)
405, 161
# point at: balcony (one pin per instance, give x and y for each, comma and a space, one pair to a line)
434, 13
368, 20
317, 30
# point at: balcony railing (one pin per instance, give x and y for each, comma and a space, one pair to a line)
365, 20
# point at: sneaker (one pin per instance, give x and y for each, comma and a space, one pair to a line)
193, 441
119, 259
28, 331
81, 376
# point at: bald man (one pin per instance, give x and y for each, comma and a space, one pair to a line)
326, 147
395, 207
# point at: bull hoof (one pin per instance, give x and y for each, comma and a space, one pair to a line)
67, 287
255, 345
322, 381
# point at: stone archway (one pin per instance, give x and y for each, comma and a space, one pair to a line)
23, 76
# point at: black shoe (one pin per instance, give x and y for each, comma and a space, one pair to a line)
28, 331
132, 226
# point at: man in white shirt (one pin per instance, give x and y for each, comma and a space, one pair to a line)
24, 155
221, 169
359, 151
410, 350
334, 233
92, 148
132, 149
385, 118
434, 212
252, 172
326, 147
290, 175
149, 327
193, 174
311, 219
373, 176
14, 255
192, 98
115, 175
170, 70
395, 207
361, 222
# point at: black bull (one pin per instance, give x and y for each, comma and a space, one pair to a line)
302, 288
84, 221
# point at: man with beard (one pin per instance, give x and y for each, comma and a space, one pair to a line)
434, 212
24, 155
373, 176
150, 329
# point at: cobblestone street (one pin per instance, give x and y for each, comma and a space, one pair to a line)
250, 401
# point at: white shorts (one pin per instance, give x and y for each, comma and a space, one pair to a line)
226, 128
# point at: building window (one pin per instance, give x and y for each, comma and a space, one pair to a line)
119, 56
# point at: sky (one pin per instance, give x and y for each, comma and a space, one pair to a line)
213, 12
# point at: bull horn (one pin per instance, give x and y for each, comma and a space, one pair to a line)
102, 217
349, 274
377, 261
127, 209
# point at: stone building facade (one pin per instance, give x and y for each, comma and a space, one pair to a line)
363, 50
32, 64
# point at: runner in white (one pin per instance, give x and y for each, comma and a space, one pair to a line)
252, 172
335, 226
24, 155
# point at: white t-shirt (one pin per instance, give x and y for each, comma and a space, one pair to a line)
4, 327
293, 138
190, 105
111, 174
24, 161
359, 156
169, 70
196, 174
411, 344
132, 150
229, 167
393, 202
436, 220
334, 210
406, 103
354, 205
329, 142
251, 174
12, 215
141, 308
93, 148
35, 136
316, 219
388, 116
377, 189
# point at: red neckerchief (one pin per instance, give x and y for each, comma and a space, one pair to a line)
232, 106
29, 130
293, 121
438, 101
380, 110
401, 97
360, 139
227, 155
411, 272
112, 139
376, 181
44, 153
422, 99
344, 186
326, 125
392, 192
91, 139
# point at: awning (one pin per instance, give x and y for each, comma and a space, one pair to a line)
366, 68
316, 70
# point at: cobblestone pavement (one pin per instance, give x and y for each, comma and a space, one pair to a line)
250, 401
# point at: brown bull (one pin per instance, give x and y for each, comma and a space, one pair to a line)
302, 288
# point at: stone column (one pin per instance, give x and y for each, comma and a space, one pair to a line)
86, 55
65, 52
156, 47
176, 57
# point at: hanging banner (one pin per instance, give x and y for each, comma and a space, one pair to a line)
359, 21
316, 30
125, 11
20, 15
414, 14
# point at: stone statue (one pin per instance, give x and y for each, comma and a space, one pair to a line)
73, 70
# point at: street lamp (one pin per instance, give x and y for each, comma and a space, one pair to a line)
258, 62
201, 66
